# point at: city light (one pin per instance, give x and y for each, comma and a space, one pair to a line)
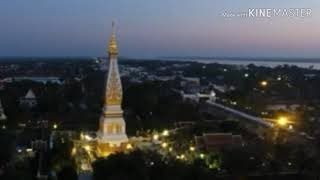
87, 137
155, 137
264, 83
212, 94
192, 148
55, 126
165, 132
164, 145
201, 155
182, 156
282, 121
290, 127
29, 150
129, 146
87, 148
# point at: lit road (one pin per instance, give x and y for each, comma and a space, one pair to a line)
258, 120
241, 114
254, 119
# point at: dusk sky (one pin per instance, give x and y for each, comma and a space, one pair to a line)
155, 28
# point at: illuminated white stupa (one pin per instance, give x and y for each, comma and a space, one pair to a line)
111, 136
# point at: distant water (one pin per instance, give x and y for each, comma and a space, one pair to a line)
304, 63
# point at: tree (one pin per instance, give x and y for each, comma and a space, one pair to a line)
146, 165
7, 148
67, 173
120, 167
60, 155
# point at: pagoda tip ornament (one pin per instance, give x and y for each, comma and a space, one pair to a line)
113, 46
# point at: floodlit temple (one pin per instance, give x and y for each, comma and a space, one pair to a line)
111, 136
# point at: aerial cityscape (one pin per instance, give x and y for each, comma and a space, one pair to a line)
178, 90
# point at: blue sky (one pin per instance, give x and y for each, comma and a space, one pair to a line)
152, 28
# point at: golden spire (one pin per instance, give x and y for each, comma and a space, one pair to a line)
113, 88
113, 47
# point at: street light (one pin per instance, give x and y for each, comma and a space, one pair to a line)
87, 137
201, 155
279, 78
165, 132
192, 148
87, 148
29, 150
155, 137
164, 145
182, 156
264, 83
129, 146
282, 121
55, 126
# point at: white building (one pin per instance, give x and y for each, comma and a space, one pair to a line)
29, 100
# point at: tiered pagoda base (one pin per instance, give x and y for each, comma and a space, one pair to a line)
105, 149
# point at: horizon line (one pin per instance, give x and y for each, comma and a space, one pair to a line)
173, 57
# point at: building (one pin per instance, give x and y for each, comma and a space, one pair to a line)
213, 141
2, 115
103, 64
190, 85
199, 97
285, 106
29, 100
111, 136
44, 80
